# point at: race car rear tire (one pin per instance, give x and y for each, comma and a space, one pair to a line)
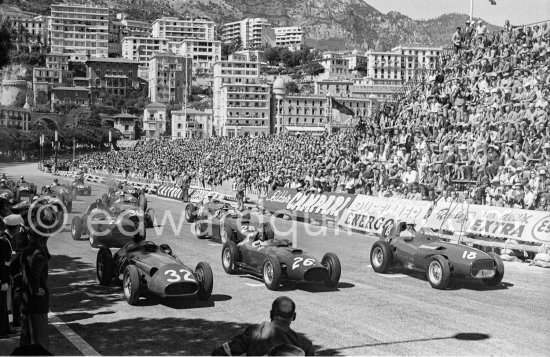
76, 228
200, 230
380, 256
204, 275
105, 266
89, 191
69, 206
438, 272
230, 254
271, 272
131, 285
499, 270
190, 213
93, 241
17, 195
332, 263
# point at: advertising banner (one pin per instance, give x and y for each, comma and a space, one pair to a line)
326, 205
499, 222
373, 214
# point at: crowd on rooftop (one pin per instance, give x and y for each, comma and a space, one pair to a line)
478, 130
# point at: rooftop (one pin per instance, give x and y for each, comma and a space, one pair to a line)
155, 105
71, 88
112, 60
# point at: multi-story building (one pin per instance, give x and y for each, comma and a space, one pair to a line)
115, 75
141, 49
191, 123
334, 86
29, 28
177, 30
290, 37
169, 78
55, 72
335, 66
315, 113
250, 32
70, 95
415, 58
154, 120
203, 53
79, 30
385, 68
240, 100
356, 59
136, 28
15, 118
126, 124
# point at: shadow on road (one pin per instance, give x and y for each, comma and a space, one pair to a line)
465, 336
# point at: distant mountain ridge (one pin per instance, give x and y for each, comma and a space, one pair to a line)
329, 24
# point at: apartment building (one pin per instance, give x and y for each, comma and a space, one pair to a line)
176, 29
241, 101
335, 66
414, 58
126, 124
169, 78
56, 70
115, 75
191, 123
79, 30
70, 95
15, 118
202, 52
251, 33
141, 49
136, 28
36, 27
154, 120
291, 37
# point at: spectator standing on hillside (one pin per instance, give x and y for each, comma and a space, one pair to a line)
457, 39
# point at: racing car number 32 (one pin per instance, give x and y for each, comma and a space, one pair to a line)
304, 262
175, 277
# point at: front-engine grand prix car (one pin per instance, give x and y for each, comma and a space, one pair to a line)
219, 220
111, 225
146, 267
402, 244
79, 187
26, 189
126, 189
59, 193
276, 261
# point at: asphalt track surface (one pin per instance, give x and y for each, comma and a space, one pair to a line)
368, 313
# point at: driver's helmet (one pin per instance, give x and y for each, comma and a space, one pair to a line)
35, 198
119, 193
99, 202
3, 182
48, 188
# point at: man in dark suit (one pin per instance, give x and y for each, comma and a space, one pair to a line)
35, 296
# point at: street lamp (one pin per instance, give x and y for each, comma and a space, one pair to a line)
56, 149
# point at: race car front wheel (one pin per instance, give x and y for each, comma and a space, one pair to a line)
190, 213
380, 256
204, 275
499, 270
201, 229
105, 266
93, 241
131, 285
271, 272
439, 272
229, 257
332, 263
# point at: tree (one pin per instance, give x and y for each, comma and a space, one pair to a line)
292, 87
5, 44
272, 55
78, 68
314, 68
231, 47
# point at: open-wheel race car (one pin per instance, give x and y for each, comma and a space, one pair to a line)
26, 189
419, 251
59, 194
111, 224
80, 188
126, 189
219, 220
145, 267
276, 261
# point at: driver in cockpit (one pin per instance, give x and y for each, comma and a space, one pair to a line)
407, 230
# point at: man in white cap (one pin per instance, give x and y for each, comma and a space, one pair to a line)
16, 234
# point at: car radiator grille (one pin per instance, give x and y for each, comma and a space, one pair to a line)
316, 274
483, 268
181, 289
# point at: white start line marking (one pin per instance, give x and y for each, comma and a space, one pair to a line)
393, 275
213, 244
72, 336
254, 285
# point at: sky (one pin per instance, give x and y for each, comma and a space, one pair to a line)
517, 11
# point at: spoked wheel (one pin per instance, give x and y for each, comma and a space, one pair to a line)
380, 256
271, 273
131, 285
439, 272
204, 275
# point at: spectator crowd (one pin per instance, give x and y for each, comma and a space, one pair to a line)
477, 130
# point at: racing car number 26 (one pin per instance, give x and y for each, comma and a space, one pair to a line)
305, 262
175, 277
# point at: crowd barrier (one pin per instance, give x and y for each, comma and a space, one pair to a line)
509, 228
